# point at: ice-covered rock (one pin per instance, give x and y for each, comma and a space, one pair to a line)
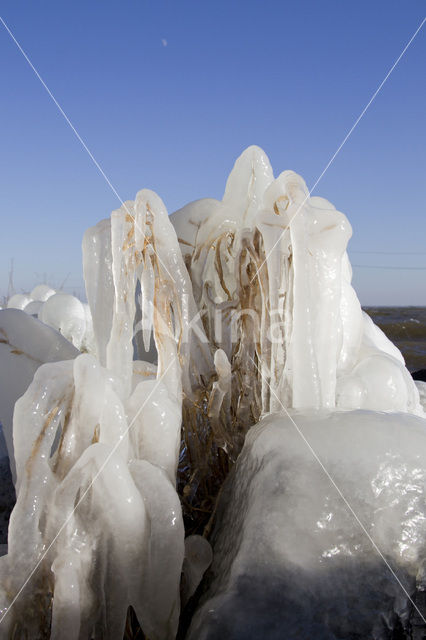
33, 308
18, 301
66, 314
42, 292
300, 523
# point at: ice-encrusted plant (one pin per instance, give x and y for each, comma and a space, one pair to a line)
203, 323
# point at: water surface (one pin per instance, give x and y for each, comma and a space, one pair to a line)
406, 327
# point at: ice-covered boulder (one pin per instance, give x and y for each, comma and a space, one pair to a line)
19, 301
320, 530
66, 314
42, 292
33, 308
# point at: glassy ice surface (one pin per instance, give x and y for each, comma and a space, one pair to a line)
290, 558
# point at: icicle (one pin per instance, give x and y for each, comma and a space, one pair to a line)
97, 270
147, 290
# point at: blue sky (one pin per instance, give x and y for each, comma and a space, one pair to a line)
291, 77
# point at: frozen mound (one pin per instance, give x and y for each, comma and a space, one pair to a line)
66, 314
18, 301
42, 292
291, 560
33, 308
61, 311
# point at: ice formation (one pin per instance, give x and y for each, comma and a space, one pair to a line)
271, 277
288, 552
19, 301
61, 311
200, 325
121, 546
